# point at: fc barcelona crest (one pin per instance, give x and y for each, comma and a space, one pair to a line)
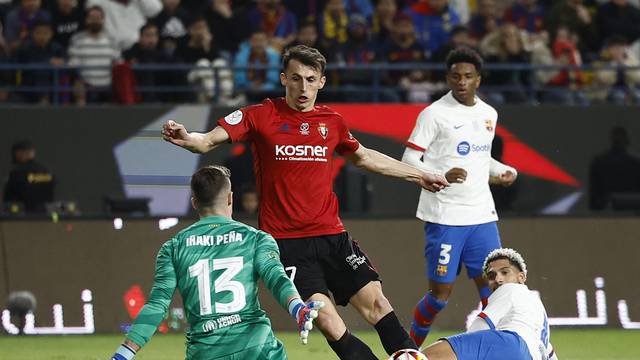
488, 124
323, 130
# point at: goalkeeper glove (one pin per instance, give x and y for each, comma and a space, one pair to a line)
304, 315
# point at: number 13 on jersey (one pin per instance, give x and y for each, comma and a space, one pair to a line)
202, 271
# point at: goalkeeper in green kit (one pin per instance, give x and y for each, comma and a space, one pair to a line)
216, 264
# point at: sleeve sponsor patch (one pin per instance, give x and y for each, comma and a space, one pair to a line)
234, 118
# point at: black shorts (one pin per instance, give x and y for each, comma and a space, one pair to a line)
330, 263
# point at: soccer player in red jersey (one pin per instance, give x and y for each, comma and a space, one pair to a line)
293, 142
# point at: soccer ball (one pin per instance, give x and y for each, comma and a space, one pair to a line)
408, 354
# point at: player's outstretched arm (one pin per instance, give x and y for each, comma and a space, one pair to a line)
380, 163
199, 143
152, 313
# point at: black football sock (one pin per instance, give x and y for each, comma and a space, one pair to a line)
392, 335
349, 347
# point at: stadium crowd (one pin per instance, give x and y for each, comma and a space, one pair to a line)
230, 50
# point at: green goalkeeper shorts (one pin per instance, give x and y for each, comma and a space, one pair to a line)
270, 350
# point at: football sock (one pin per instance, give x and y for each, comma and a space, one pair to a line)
392, 335
426, 310
349, 347
484, 295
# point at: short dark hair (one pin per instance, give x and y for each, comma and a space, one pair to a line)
464, 54
305, 54
96, 8
146, 26
207, 183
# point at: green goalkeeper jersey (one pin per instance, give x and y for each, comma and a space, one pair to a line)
216, 264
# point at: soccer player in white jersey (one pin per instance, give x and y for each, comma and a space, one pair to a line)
512, 326
453, 136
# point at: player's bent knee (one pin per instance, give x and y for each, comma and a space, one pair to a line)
330, 324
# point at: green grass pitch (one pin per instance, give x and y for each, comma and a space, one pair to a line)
571, 344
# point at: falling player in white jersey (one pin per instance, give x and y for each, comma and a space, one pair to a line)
512, 326
453, 136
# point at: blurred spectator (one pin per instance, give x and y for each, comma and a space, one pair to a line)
93, 48
382, 19
433, 21
402, 47
20, 21
506, 45
40, 50
486, 20
147, 51
360, 7
460, 36
614, 171
222, 19
574, 16
172, 25
306, 10
249, 201
272, 17
199, 48
333, 26
198, 44
419, 89
124, 18
618, 17
358, 50
308, 35
30, 182
566, 85
615, 83
67, 18
527, 15
254, 80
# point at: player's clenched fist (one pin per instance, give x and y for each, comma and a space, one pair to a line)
304, 315
456, 175
433, 182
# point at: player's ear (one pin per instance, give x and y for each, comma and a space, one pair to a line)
193, 203
230, 199
522, 277
323, 80
283, 79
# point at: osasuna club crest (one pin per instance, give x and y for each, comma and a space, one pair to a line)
323, 130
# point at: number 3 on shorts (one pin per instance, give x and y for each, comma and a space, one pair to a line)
444, 254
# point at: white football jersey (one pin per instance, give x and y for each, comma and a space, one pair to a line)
455, 135
514, 307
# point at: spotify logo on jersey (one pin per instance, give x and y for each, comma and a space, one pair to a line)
463, 148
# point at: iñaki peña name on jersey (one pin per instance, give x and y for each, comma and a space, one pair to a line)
213, 240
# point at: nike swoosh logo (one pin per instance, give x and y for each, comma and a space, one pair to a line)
458, 127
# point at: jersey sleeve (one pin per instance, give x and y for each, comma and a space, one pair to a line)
424, 131
500, 303
164, 285
271, 270
241, 124
347, 144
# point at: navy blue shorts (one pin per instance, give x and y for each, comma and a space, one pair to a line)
447, 247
